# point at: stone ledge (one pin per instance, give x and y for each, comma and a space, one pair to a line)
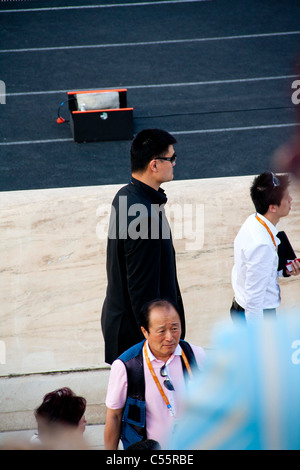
53, 281
20, 396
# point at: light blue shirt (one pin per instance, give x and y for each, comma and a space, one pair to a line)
248, 398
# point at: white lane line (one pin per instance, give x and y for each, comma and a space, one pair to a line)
113, 5
29, 142
149, 43
161, 85
234, 129
197, 131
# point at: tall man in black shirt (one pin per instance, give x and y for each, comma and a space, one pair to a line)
141, 263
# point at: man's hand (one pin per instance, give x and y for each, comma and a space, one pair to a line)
295, 265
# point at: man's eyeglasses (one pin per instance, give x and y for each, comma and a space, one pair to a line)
168, 159
276, 181
167, 382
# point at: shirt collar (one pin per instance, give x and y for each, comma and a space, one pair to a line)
158, 196
152, 358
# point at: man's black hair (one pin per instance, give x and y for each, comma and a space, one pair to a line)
148, 144
149, 306
268, 189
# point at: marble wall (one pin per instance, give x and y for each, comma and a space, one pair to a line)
53, 279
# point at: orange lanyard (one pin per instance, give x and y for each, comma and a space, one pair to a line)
156, 379
265, 225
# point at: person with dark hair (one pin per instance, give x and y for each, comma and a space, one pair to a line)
146, 383
61, 412
256, 262
268, 189
140, 262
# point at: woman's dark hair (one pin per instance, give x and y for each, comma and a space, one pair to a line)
267, 189
148, 306
148, 144
62, 406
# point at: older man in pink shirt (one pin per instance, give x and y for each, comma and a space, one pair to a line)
147, 382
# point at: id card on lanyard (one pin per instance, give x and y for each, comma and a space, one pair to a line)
164, 396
